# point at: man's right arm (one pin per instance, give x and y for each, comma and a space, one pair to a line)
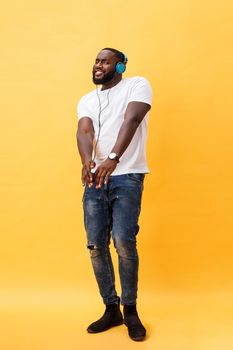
85, 137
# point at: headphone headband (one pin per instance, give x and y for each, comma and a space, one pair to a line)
125, 58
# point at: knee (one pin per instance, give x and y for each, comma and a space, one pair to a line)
125, 248
97, 250
94, 250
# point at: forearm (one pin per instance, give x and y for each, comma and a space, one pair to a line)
125, 136
85, 146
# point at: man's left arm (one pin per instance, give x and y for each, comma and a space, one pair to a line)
135, 112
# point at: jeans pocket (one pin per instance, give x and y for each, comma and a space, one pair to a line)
136, 176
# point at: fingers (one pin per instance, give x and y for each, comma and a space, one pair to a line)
83, 177
99, 180
90, 179
102, 176
103, 179
103, 172
90, 175
106, 179
87, 177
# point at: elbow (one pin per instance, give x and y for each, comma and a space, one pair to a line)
84, 136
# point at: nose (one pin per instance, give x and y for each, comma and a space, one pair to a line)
98, 64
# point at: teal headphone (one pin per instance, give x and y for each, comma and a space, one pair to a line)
121, 66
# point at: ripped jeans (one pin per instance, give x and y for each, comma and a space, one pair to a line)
114, 209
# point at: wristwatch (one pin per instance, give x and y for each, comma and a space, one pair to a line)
114, 156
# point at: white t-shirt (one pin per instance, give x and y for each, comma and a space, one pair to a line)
114, 102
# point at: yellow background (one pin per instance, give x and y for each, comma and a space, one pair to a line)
48, 292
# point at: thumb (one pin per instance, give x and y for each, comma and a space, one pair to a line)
92, 164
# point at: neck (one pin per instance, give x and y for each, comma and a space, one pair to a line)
112, 83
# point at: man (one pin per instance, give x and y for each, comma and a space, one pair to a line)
111, 140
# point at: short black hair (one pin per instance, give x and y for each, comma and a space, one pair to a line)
118, 53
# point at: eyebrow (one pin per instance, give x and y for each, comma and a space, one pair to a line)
103, 59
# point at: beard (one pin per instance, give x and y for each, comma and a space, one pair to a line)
105, 79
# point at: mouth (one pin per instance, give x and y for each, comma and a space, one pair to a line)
98, 73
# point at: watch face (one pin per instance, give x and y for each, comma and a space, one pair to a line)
112, 155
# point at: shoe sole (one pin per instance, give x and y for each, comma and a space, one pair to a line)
118, 323
138, 338
141, 338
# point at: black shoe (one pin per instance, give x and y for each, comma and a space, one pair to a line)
135, 328
112, 317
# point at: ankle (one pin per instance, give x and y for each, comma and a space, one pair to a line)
130, 309
113, 306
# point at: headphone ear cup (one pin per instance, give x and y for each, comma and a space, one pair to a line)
120, 67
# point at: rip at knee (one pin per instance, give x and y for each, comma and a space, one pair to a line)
93, 249
96, 250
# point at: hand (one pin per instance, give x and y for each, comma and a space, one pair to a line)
87, 176
104, 171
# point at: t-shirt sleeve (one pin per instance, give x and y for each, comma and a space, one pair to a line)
141, 91
82, 109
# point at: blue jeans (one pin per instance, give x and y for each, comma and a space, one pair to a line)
114, 209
